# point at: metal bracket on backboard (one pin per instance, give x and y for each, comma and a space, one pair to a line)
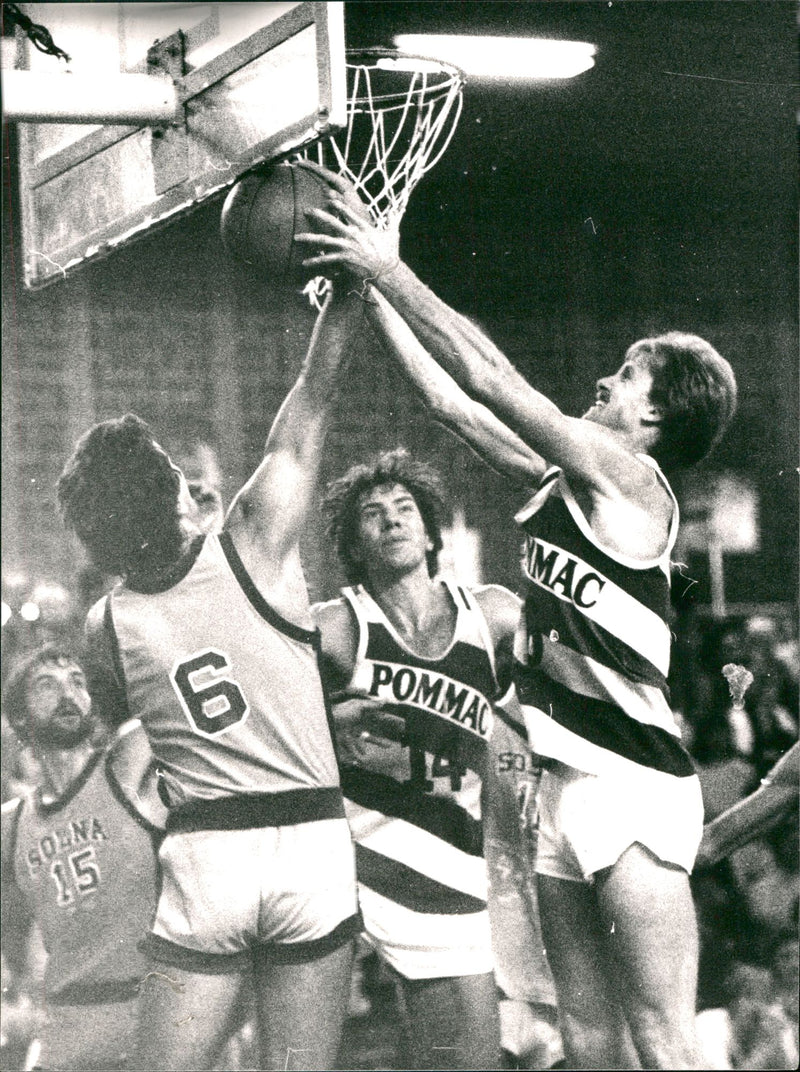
248, 83
169, 143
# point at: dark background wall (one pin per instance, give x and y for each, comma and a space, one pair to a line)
657, 191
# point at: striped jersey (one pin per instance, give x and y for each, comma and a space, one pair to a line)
86, 865
415, 806
227, 689
592, 677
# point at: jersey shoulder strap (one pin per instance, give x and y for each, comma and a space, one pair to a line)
471, 624
365, 610
546, 486
676, 515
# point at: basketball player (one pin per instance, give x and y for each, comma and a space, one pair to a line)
417, 661
620, 810
212, 644
80, 851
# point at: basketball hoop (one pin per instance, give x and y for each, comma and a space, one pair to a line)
401, 115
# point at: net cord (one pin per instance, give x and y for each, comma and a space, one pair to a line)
423, 117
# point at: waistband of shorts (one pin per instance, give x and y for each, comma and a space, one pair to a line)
104, 993
289, 808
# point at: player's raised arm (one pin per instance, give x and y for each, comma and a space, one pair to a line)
268, 513
451, 406
672, 398
355, 245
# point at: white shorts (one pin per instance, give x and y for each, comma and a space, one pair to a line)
586, 821
288, 891
423, 900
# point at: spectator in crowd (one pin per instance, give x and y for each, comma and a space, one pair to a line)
78, 860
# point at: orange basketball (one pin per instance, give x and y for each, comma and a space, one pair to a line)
264, 211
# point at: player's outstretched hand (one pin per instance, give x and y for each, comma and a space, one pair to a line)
360, 724
349, 241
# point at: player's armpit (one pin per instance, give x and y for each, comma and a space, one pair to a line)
339, 642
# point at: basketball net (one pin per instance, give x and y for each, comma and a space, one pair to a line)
401, 115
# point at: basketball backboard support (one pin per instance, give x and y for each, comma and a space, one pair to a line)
253, 82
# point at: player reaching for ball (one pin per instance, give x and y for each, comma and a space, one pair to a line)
210, 641
619, 804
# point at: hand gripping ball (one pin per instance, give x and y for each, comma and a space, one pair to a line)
263, 212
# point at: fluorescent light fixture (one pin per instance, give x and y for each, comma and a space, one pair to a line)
503, 57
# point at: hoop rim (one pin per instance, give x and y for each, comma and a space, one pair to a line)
454, 77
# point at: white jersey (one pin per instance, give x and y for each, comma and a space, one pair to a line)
228, 691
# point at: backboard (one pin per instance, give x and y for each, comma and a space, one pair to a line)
252, 82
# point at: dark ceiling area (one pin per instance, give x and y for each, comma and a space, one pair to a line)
656, 191
679, 144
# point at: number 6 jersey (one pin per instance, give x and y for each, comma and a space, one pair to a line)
228, 691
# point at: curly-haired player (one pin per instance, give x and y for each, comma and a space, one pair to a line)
210, 639
416, 662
